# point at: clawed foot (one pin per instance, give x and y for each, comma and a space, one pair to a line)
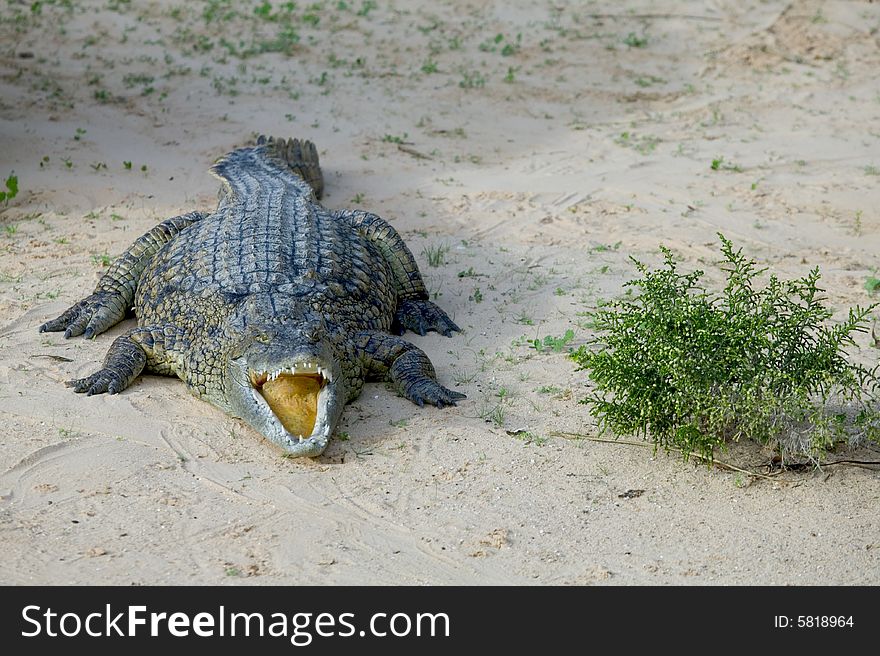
431, 392
413, 374
422, 389
422, 317
91, 316
105, 380
124, 362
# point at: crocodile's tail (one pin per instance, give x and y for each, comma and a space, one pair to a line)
300, 156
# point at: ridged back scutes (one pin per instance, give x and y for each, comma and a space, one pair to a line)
300, 156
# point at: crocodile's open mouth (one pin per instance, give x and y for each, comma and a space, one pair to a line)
292, 394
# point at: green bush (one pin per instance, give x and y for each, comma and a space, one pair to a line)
692, 369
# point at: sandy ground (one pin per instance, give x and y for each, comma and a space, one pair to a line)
536, 145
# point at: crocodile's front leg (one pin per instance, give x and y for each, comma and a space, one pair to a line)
414, 311
387, 357
114, 294
156, 347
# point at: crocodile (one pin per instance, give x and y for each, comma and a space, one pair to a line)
273, 308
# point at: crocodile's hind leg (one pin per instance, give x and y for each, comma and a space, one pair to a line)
114, 294
155, 347
387, 357
414, 311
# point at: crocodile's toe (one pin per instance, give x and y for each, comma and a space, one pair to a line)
104, 380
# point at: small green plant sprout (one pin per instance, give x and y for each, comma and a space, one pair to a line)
644, 144
872, 284
648, 80
512, 47
11, 188
693, 369
718, 164
264, 10
555, 344
493, 413
528, 437
503, 393
436, 255
525, 319
605, 248
857, 223
366, 7
126, 165
103, 259
396, 139
633, 40
491, 45
472, 80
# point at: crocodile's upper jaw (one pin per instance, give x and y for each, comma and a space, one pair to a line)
296, 405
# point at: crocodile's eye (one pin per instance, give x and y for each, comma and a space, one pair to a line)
256, 335
313, 332
248, 339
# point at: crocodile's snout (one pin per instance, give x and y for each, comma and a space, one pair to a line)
294, 401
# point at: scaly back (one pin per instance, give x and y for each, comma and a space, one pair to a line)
269, 236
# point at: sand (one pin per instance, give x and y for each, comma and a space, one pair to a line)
535, 147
